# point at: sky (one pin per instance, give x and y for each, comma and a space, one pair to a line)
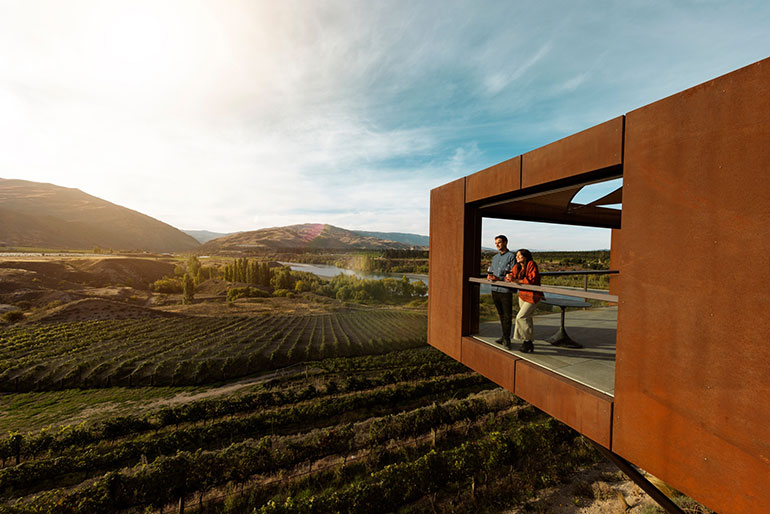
243, 114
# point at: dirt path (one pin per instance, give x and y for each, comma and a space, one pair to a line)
184, 397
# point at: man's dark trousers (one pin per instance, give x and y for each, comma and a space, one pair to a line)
504, 305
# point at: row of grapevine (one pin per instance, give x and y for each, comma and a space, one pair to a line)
400, 477
51, 443
367, 435
367, 430
96, 457
191, 351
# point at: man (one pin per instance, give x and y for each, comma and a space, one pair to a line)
502, 264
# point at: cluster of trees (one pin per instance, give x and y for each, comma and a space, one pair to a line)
589, 260
285, 282
386, 261
186, 278
351, 288
248, 271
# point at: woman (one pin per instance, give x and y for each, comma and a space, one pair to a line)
525, 272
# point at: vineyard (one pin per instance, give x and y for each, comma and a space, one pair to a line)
407, 431
192, 350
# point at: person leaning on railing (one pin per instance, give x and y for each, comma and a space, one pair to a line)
502, 263
525, 271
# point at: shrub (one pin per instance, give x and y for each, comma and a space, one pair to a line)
167, 285
302, 286
13, 316
245, 292
54, 304
283, 292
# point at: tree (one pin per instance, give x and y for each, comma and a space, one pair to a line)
193, 265
188, 289
282, 279
406, 287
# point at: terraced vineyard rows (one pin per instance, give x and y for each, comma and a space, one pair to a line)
191, 351
411, 431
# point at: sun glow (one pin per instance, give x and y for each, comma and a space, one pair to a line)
163, 51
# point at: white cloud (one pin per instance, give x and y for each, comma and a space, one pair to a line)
237, 115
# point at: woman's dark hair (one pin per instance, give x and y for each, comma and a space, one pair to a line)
526, 253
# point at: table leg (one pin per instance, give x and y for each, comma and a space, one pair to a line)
561, 338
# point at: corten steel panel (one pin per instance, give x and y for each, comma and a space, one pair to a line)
445, 267
692, 386
499, 179
493, 363
614, 260
533, 210
587, 411
593, 149
472, 266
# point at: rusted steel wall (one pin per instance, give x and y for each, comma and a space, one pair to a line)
445, 267
596, 148
499, 179
584, 409
614, 260
692, 381
493, 363
587, 411
471, 268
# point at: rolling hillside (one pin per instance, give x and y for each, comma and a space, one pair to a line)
204, 236
400, 237
307, 236
34, 214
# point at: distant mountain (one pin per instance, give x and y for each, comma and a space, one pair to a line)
307, 236
399, 237
204, 235
33, 214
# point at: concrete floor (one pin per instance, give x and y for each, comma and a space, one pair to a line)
593, 365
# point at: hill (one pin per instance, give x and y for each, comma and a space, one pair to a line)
204, 236
38, 215
307, 236
400, 237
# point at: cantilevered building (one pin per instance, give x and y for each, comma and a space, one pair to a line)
683, 390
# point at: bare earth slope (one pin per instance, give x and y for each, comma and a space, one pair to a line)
39, 281
34, 214
94, 272
306, 236
90, 309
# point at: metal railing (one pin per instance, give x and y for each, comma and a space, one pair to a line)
585, 274
585, 293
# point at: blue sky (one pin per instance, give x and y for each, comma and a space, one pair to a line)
239, 115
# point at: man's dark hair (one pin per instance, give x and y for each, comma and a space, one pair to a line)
505, 239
